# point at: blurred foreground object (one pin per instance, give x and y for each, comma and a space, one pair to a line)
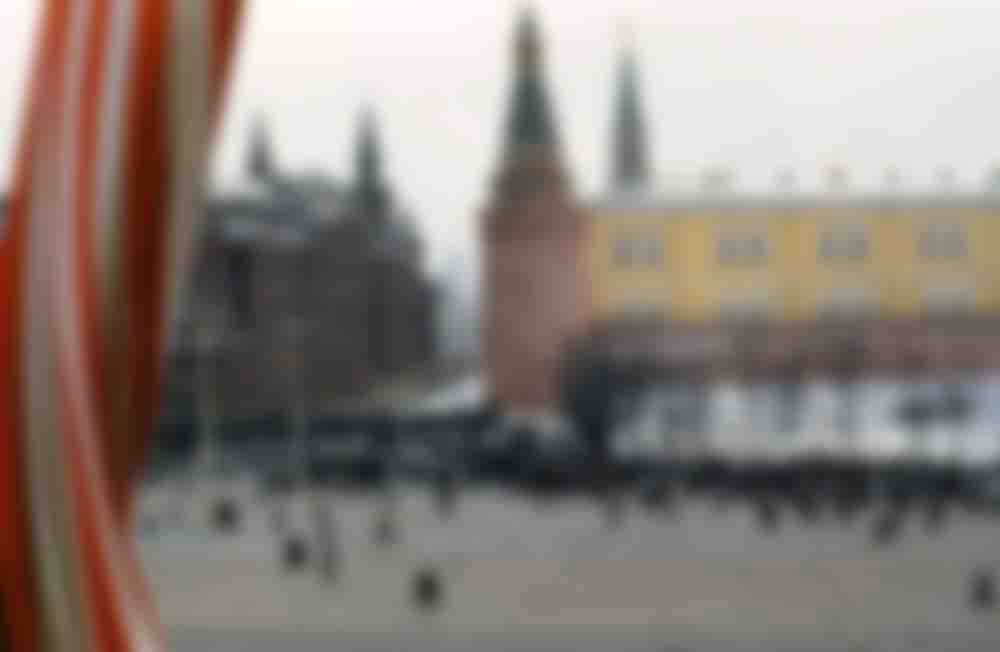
104, 210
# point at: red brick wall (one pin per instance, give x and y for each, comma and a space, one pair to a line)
532, 296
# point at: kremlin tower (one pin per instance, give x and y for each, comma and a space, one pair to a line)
534, 285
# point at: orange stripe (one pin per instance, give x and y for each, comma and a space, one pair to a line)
144, 244
145, 186
22, 602
91, 104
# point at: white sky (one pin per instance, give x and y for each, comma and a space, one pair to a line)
753, 85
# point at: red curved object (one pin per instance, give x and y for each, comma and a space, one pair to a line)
122, 99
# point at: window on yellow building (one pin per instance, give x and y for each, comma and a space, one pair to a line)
943, 242
845, 244
654, 252
742, 249
623, 252
638, 252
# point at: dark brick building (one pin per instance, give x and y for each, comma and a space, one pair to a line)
301, 282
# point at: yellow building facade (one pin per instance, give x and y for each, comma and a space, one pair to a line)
783, 258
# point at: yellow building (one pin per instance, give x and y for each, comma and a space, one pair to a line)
794, 258
707, 256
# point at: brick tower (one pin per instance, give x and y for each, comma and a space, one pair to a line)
533, 288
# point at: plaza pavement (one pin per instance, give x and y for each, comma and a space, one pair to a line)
524, 575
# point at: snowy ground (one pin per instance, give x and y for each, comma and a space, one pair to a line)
525, 576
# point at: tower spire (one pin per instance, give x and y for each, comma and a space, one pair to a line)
260, 163
370, 188
530, 122
629, 168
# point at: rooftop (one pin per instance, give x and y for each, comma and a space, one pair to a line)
734, 200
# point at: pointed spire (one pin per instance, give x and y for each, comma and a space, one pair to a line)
530, 121
260, 162
630, 165
370, 188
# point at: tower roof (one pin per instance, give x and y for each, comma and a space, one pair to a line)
370, 190
629, 166
260, 162
530, 121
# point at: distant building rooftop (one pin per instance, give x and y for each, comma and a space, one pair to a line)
647, 201
283, 210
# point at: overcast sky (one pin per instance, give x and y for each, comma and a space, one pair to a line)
754, 85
